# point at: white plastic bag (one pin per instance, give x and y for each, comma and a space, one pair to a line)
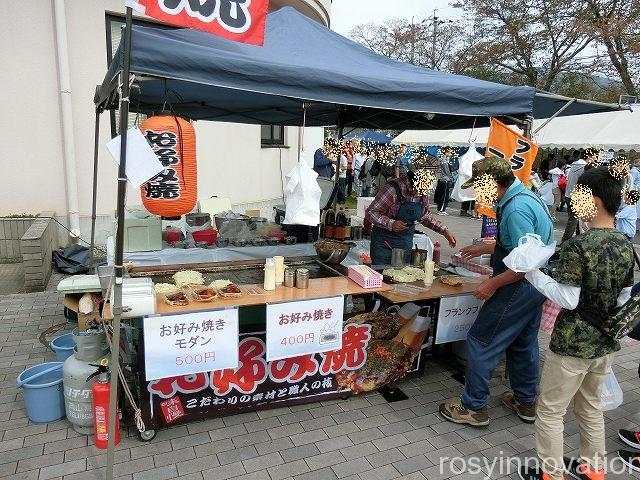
302, 196
530, 254
466, 162
546, 193
611, 396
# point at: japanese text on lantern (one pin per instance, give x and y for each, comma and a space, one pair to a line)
166, 184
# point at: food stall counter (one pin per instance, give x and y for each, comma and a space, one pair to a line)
417, 291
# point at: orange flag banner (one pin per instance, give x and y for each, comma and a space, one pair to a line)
518, 150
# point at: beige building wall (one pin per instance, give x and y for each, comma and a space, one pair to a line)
231, 161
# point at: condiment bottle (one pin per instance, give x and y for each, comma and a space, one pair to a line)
347, 230
436, 253
341, 222
269, 274
302, 278
329, 223
289, 277
429, 267
279, 262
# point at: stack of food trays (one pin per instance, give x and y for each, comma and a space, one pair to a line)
190, 287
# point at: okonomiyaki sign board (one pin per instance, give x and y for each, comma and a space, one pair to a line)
191, 343
302, 328
455, 317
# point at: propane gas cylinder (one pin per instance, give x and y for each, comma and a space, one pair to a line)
91, 346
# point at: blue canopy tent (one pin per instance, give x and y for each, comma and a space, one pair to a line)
371, 136
303, 74
340, 82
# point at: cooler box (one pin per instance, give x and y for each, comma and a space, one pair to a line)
142, 231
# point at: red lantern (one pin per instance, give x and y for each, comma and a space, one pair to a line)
174, 191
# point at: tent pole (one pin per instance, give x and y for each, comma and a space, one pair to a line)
340, 137
118, 269
528, 126
96, 145
567, 105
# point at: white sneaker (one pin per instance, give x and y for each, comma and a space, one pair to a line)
442, 214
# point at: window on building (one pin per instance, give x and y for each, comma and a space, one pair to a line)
114, 34
272, 135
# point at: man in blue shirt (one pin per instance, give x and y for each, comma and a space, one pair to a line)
321, 164
509, 320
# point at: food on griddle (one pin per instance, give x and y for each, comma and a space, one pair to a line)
188, 277
218, 284
404, 275
384, 326
387, 361
203, 294
452, 280
230, 290
177, 299
165, 288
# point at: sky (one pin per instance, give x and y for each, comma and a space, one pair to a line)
347, 14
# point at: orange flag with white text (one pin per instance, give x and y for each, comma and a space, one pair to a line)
517, 149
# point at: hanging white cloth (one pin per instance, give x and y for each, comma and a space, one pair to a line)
466, 162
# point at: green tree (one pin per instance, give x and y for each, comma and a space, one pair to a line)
615, 27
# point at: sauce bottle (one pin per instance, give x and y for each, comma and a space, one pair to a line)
329, 223
437, 248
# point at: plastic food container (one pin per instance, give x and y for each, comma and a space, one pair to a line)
209, 235
365, 276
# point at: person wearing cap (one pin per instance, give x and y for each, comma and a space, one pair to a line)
509, 319
398, 206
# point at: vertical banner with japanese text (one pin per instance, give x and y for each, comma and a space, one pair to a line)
517, 149
238, 20
300, 328
190, 343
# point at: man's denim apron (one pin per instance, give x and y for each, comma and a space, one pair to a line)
507, 323
409, 212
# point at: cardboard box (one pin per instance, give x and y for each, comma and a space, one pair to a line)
71, 301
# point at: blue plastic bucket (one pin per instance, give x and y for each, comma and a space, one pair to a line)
63, 346
44, 395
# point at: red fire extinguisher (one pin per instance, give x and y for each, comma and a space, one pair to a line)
100, 392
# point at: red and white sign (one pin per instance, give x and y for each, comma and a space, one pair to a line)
238, 20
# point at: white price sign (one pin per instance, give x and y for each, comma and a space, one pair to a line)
177, 345
301, 328
455, 318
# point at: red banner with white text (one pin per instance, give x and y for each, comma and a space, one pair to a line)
238, 20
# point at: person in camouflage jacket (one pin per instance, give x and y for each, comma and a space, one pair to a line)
594, 276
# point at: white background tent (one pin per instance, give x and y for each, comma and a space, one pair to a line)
615, 130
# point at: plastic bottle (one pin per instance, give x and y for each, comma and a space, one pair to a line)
269, 274
436, 253
279, 266
329, 223
341, 225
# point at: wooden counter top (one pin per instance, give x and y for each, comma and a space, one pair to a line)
437, 290
318, 288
